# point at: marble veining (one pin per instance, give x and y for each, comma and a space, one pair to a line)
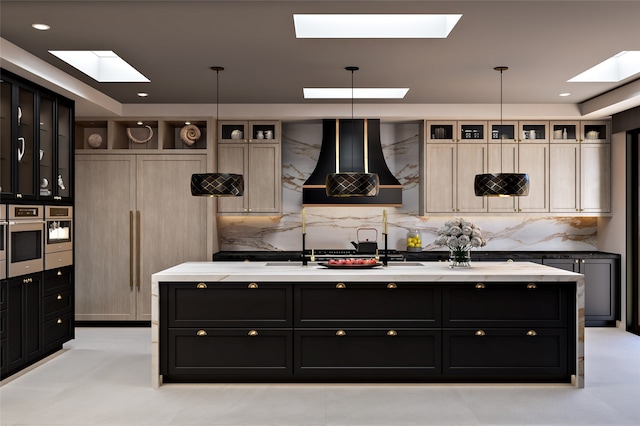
335, 227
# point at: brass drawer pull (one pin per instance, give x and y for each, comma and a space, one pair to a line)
480, 333
59, 273
480, 285
201, 285
59, 321
201, 333
392, 333
341, 333
253, 285
59, 297
532, 333
392, 285
252, 333
341, 285
532, 286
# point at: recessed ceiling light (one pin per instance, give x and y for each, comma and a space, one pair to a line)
143, 94
41, 27
564, 94
374, 25
358, 93
102, 65
616, 68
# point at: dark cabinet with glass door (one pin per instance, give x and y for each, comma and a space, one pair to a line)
36, 130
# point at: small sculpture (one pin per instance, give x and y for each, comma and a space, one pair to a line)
61, 183
189, 134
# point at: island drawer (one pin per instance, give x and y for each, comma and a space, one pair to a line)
57, 303
229, 352
228, 304
505, 352
501, 304
367, 305
58, 330
361, 352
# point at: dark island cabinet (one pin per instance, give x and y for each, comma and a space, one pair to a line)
376, 331
601, 287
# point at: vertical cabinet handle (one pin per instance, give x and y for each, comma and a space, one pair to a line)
131, 249
138, 231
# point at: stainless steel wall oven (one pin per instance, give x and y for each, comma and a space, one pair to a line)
25, 251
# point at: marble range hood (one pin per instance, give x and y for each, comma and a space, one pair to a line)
343, 147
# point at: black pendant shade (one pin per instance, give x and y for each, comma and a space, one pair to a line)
352, 184
501, 185
217, 185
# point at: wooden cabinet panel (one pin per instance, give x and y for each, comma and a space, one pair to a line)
595, 177
367, 352
505, 352
367, 305
121, 240
440, 178
471, 161
264, 187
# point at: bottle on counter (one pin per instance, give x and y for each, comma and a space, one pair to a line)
414, 240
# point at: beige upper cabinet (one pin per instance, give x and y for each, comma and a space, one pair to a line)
257, 156
449, 170
510, 153
580, 169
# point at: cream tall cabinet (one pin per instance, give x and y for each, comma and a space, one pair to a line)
252, 149
134, 216
581, 168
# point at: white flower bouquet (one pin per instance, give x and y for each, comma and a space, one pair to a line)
460, 236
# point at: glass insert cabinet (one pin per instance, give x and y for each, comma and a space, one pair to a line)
36, 130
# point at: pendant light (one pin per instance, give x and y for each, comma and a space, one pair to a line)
501, 184
352, 184
217, 184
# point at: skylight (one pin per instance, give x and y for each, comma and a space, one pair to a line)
374, 25
102, 65
358, 93
617, 68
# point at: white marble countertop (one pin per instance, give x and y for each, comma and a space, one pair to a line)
396, 271
428, 272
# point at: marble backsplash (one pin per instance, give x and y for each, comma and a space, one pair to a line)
335, 227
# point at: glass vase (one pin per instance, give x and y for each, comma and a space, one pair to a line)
459, 258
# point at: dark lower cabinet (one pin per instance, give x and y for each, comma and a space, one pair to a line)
519, 353
367, 332
352, 353
230, 352
37, 317
601, 292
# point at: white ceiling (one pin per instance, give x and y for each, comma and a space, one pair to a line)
174, 44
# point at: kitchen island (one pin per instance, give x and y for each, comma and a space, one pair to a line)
407, 322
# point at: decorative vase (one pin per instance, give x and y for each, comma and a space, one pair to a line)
459, 258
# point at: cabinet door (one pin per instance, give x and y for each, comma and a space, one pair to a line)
441, 178
7, 149
46, 154
26, 149
533, 159
367, 353
233, 158
595, 177
24, 321
600, 294
263, 178
521, 353
564, 172
63, 175
104, 237
471, 161
173, 223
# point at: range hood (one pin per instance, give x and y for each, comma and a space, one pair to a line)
343, 150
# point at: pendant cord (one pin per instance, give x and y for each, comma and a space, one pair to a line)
501, 125
353, 126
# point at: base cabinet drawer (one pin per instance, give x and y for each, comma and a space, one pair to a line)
505, 352
57, 331
367, 305
500, 305
362, 352
229, 352
229, 305
56, 303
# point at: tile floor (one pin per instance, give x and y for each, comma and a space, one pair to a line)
104, 379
